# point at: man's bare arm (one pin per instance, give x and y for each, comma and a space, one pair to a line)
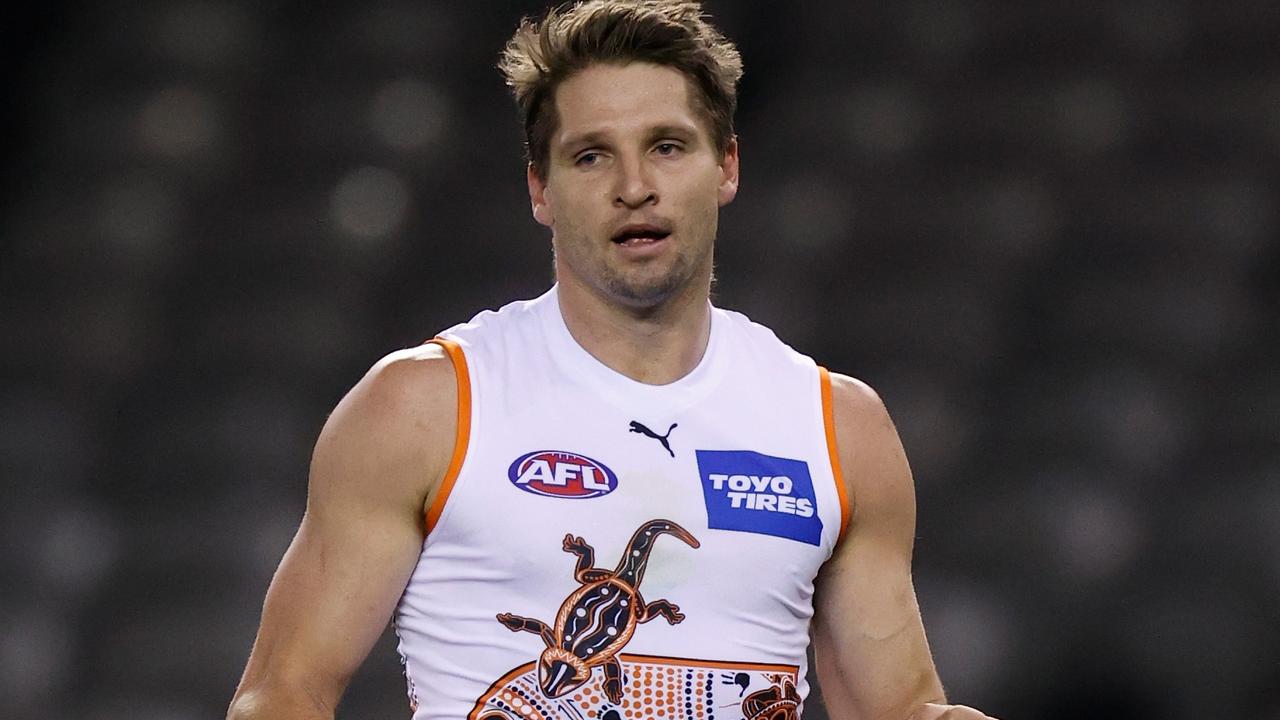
872, 658
373, 473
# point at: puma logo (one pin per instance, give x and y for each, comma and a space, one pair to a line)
638, 428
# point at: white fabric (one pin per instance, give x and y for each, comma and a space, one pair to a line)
746, 596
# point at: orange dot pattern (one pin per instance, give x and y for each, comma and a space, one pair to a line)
663, 690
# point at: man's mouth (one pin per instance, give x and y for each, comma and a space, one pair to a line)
635, 235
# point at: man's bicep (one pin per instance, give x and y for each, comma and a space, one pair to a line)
872, 656
329, 601
362, 532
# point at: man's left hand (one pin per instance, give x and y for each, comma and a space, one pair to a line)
933, 711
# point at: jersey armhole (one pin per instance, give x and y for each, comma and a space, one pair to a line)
462, 436
833, 452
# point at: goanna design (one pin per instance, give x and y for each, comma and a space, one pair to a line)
779, 701
598, 619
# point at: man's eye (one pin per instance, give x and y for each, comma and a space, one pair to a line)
667, 148
587, 159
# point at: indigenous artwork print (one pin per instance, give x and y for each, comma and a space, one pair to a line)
582, 674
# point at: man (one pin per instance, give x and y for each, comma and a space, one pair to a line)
614, 500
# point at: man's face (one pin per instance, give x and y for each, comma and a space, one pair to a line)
633, 184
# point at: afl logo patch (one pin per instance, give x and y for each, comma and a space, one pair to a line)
556, 473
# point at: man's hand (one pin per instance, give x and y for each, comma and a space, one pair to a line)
933, 711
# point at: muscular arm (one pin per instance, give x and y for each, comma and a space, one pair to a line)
872, 659
373, 472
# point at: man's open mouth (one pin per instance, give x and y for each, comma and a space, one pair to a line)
640, 235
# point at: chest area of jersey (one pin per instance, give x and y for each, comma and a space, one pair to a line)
585, 465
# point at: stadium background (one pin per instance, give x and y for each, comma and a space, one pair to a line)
1046, 232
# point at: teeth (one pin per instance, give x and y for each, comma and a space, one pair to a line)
638, 238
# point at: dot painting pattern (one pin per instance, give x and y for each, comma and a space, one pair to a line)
658, 688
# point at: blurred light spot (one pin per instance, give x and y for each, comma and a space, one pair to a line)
78, 547
885, 120
1097, 535
370, 203
139, 213
205, 33
973, 636
409, 114
1092, 115
812, 213
35, 651
179, 122
945, 28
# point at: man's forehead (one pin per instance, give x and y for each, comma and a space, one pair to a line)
603, 100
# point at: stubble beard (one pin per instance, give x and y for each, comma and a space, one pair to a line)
641, 289
648, 291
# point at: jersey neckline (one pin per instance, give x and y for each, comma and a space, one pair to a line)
584, 368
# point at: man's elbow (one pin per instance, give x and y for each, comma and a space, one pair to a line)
926, 694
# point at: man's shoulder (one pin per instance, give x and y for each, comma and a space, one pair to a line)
873, 463
856, 403
410, 380
407, 394
411, 363
391, 436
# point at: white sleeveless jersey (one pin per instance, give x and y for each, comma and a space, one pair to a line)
604, 549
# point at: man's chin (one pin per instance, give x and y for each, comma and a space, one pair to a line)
645, 292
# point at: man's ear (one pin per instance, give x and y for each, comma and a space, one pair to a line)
729, 173
538, 199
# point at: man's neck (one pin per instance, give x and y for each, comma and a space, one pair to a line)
656, 345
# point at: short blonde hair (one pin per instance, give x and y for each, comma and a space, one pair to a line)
675, 33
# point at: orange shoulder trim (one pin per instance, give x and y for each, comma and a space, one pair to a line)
829, 423
463, 434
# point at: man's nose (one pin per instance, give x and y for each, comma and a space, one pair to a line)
635, 184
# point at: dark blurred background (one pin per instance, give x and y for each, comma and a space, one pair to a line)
1045, 232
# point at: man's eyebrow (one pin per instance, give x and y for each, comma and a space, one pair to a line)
598, 137
681, 131
593, 137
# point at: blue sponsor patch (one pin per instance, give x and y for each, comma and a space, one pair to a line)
751, 492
